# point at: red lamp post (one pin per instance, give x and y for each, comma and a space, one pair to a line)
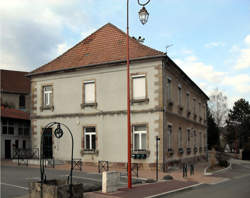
143, 16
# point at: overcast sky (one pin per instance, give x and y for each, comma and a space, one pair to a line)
210, 38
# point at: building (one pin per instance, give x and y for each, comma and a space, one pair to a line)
15, 118
85, 88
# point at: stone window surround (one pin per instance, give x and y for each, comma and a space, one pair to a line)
91, 152
171, 140
84, 103
43, 106
143, 100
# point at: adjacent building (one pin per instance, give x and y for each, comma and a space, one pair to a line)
15, 118
85, 88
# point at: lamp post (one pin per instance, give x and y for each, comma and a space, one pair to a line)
143, 16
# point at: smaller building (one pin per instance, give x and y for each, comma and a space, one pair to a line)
15, 117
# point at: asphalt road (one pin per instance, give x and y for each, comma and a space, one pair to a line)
237, 185
15, 180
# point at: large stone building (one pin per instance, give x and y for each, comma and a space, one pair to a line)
85, 88
15, 118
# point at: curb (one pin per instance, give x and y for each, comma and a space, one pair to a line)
218, 171
175, 191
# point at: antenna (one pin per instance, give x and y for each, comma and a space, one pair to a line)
168, 46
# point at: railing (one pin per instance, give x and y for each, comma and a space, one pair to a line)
26, 153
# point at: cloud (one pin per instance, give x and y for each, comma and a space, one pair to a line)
243, 60
240, 82
199, 70
34, 32
61, 48
214, 44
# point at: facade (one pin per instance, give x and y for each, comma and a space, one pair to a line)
15, 119
85, 88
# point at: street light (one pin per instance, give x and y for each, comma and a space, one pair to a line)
143, 16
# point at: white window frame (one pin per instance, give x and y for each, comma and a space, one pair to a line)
90, 134
180, 137
144, 96
140, 137
48, 94
86, 100
170, 136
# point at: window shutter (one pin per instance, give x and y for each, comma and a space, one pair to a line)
90, 92
139, 87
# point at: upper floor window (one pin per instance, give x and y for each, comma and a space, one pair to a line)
169, 87
139, 137
194, 105
170, 136
89, 92
188, 100
195, 138
188, 137
47, 96
90, 138
23, 129
179, 95
22, 101
199, 108
139, 87
200, 139
180, 138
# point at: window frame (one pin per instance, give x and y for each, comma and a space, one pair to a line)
180, 137
188, 100
139, 99
140, 137
85, 133
51, 95
22, 101
170, 136
188, 137
169, 89
179, 95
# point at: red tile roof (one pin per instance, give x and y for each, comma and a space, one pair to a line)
14, 81
14, 113
107, 44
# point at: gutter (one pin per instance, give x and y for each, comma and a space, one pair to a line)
96, 65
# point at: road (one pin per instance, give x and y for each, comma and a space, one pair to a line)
237, 185
15, 180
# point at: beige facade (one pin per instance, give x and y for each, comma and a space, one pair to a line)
107, 113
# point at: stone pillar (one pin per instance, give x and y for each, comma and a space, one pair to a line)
110, 181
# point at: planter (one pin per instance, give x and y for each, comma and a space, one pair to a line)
56, 189
188, 150
180, 151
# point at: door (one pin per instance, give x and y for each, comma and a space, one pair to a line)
7, 149
47, 144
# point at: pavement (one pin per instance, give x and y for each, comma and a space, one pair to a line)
160, 188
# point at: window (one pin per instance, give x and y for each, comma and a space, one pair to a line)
180, 138
200, 139
199, 109
22, 101
139, 87
188, 137
169, 136
169, 87
205, 112
23, 129
188, 100
179, 95
17, 144
4, 126
10, 124
89, 92
90, 138
139, 137
24, 144
47, 96
195, 143
194, 105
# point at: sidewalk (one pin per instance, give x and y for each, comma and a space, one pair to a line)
145, 190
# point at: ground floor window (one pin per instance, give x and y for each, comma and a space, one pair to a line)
139, 137
90, 138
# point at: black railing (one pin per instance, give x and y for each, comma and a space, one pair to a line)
26, 153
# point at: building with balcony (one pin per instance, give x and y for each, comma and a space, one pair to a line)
15, 117
85, 88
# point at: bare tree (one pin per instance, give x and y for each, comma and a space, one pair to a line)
218, 107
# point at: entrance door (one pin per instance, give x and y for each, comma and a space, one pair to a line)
47, 144
7, 149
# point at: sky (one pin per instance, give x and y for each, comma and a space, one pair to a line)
210, 39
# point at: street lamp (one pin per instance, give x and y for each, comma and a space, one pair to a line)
143, 16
